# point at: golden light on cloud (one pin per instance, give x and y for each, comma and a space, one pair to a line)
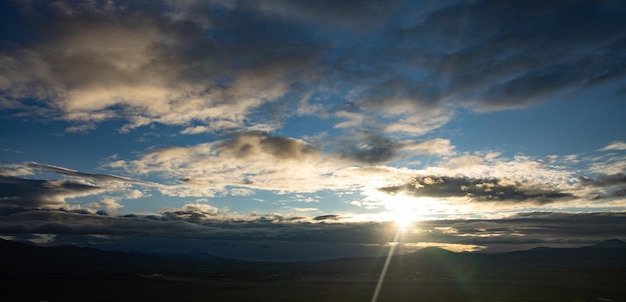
454, 247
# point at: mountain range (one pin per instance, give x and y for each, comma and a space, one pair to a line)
71, 273
20, 256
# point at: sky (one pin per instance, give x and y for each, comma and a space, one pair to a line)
300, 130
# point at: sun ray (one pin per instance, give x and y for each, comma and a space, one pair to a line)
383, 273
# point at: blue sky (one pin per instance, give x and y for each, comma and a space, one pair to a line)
301, 123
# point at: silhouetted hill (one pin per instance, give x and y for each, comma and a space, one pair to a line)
612, 243
70, 273
72, 259
607, 253
15, 256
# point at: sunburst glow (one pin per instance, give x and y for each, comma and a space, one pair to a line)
406, 210
404, 220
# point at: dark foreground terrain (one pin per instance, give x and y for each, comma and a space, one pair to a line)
595, 273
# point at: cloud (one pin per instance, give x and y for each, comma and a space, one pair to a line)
67, 222
524, 230
371, 148
405, 66
614, 146
250, 160
605, 180
134, 194
436, 146
481, 190
455, 247
364, 14
467, 54
417, 123
111, 205
610, 185
464, 161
19, 194
259, 145
353, 119
139, 63
257, 160
241, 192
196, 130
488, 61
196, 213
196, 227
327, 217
15, 170
607, 164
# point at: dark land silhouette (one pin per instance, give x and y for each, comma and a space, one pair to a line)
69, 273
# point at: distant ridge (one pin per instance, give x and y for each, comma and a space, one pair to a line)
612, 243
20, 256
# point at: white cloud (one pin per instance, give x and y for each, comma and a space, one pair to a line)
306, 108
134, 194
353, 119
241, 192
196, 130
305, 209
608, 164
616, 145
435, 146
464, 161
252, 160
417, 122
15, 170
200, 207
110, 204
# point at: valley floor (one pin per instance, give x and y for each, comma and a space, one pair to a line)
565, 284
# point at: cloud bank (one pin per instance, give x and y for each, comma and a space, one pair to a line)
220, 65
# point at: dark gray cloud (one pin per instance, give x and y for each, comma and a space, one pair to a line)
327, 217
255, 144
611, 185
369, 148
375, 148
608, 194
76, 223
478, 189
180, 233
605, 180
18, 194
364, 14
496, 54
192, 224
526, 230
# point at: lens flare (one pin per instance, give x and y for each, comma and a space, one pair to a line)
383, 273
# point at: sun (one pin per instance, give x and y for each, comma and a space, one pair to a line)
404, 220
404, 210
